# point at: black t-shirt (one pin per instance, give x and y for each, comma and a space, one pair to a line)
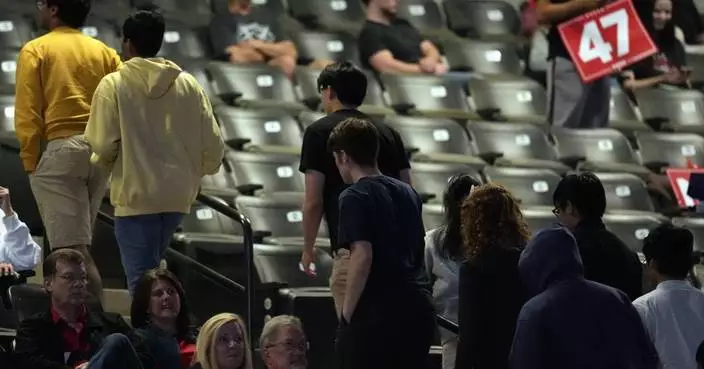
660, 63
400, 38
315, 156
386, 213
227, 29
555, 45
686, 16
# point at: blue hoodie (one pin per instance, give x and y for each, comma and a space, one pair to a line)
570, 322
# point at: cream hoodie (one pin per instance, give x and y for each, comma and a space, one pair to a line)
152, 125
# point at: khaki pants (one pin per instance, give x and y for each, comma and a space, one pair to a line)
338, 278
68, 190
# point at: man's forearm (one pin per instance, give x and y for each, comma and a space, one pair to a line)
312, 217
555, 13
277, 49
358, 271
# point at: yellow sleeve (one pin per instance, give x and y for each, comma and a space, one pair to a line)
103, 128
211, 138
29, 105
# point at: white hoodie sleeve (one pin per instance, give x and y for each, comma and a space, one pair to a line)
17, 247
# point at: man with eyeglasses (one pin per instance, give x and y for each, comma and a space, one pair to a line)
56, 77
71, 333
283, 343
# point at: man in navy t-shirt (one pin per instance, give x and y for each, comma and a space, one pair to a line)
388, 318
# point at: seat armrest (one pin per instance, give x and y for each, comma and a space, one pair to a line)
491, 157
573, 161
249, 189
656, 166
425, 197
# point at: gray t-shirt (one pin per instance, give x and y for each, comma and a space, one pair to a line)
229, 29
444, 274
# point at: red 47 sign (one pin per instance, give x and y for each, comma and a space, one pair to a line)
607, 39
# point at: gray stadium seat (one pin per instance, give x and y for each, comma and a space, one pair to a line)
15, 30
8, 68
433, 216
272, 172
485, 57
320, 45
430, 179
426, 95
696, 226
182, 41
269, 130
632, 229
658, 150
514, 145
103, 30
7, 113
538, 218
428, 135
531, 186
482, 19
221, 184
334, 15
205, 220
509, 98
426, 16
309, 117
279, 264
374, 104
604, 149
195, 13
622, 115
276, 214
253, 86
682, 110
196, 67
625, 191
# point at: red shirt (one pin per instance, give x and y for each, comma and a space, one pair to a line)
188, 351
72, 334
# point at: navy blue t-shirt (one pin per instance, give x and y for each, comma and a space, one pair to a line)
386, 213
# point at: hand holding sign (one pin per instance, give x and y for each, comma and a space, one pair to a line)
606, 39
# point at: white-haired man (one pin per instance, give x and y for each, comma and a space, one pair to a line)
283, 343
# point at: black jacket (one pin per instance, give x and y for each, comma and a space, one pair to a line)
39, 344
491, 296
607, 259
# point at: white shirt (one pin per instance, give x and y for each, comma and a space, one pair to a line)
17, 247
673, 315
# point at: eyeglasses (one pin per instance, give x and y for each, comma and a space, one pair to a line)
556, 212
293, 346
71, 279
41, 3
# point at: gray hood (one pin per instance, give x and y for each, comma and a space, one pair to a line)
154, 76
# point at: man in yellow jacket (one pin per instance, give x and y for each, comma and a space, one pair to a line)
56, 77
152, 125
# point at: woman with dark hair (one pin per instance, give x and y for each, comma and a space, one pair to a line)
161, 319
443, 256
668, 66
494, 233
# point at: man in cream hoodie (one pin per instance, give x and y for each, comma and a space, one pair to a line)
152, 125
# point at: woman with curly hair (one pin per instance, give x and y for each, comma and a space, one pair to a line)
494, 233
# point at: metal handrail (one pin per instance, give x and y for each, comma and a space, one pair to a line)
448, 324
248, 236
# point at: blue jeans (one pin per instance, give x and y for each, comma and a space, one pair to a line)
116, 352
142, 240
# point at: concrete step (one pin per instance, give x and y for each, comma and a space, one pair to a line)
117, 301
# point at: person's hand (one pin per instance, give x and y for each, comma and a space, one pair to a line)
588, 5
256, 44
6, 270
5, 203
441, 68
428, 65
307, 260
82, 366
675, 77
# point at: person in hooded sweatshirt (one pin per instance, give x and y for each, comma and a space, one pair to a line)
152, 125
571, 322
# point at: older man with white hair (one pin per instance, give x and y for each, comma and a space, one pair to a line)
283, 343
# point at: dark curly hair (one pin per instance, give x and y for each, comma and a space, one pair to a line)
491, 218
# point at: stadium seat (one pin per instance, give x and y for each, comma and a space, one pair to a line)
182, 41
426, 95
538, 218
15, 30
604, 149
433, 216
682, 110
531, 186
485, 57
103, 30
7, 113
31, 299
321, 45
309, 117
272, 172
430, 179
509, 98
195, 13
115, 10
426, 16
696, 226
622, 115
279, 264
204, 220
333, 15
427, 135
8, 67
267, 130
373, 105
196, 67
253, 86
482, 19
221, 184
632, 229
515, 145
625, 191
660, 150
276, 214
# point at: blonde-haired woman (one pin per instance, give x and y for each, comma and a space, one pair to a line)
223, 344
